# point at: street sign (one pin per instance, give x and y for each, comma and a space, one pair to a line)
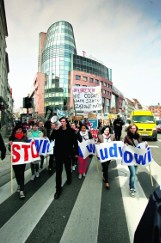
93, 123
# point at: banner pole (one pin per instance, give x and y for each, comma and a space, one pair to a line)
151, 176
74, 108
11, 184
96, 164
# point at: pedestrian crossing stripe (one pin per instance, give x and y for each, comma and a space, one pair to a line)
86, 211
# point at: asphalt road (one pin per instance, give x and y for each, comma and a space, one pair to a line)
85, 212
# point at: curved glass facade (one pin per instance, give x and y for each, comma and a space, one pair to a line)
57, 62
91, 66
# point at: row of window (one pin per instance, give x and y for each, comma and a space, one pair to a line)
57, 103
62, 49
90, 66
92, 80
91, 70
62, 39
106, 92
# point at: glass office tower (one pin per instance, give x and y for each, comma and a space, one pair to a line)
58, 50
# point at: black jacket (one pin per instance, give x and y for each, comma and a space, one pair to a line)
149, 227
65, 142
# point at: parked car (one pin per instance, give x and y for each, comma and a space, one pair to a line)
158, 122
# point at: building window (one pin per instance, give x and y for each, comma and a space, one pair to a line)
91, 80
96, 81
85, 78
77, 77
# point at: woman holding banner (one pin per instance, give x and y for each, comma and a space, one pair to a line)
132, 138
31, 134
83, 135
19, 170
106, 137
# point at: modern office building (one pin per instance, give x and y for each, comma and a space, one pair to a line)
63, 69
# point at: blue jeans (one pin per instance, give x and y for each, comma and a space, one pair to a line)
132, 169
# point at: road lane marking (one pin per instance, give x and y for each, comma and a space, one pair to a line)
86, 216
21, 224
134, 207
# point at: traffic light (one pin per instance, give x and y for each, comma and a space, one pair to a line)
27, 102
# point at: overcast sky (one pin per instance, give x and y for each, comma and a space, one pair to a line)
123, 34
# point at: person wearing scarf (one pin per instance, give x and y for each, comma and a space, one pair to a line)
132, 138
19, 170
83, 135
106, 137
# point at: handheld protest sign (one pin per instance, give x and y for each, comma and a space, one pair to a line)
151, 178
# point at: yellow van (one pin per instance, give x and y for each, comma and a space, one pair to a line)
145, 121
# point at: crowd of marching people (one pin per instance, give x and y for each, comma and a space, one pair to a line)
67, 136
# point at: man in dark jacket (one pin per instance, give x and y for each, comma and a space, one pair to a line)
149, 227
66, 146
2, 148
117, 124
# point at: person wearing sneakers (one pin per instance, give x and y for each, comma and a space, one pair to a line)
19, 170
132, 138
83, 135
31, 134
106, 137
66, 146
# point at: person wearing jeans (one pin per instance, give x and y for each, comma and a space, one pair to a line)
106, 137
31, 134
132, 138
132, 170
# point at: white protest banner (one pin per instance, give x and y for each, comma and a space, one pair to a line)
86, 148
117, 150
23, 153
108, 151
136, 155
87, 98
43, 146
